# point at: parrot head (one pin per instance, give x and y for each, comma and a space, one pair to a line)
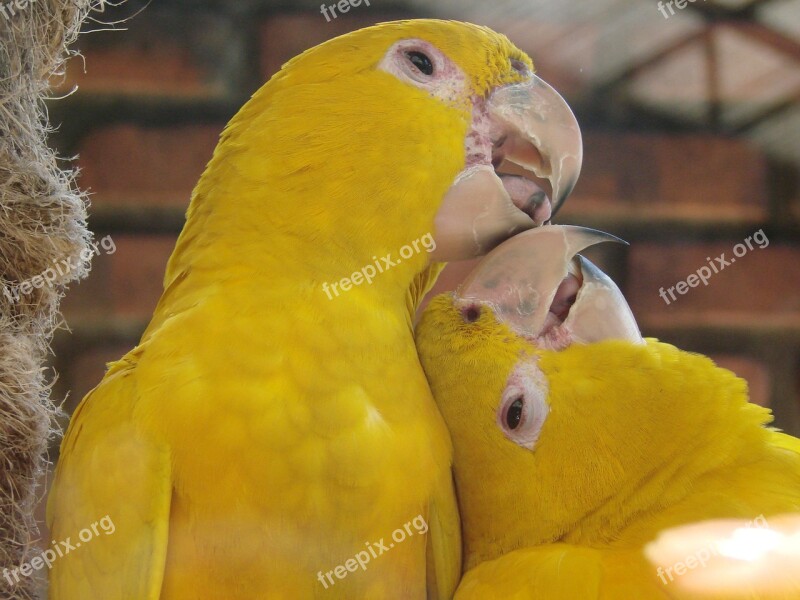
372, 139
565, 422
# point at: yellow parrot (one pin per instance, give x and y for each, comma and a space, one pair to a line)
575, 440
273, 431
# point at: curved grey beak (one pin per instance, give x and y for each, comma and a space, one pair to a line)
539, 287
543, 134
534, 136
600, 311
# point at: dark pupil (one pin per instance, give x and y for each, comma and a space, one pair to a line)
422, 62
514, 414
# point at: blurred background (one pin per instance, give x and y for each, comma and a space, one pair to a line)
691, 126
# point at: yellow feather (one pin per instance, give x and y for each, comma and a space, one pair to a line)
261, 433
638, 438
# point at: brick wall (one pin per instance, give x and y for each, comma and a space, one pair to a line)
153, 100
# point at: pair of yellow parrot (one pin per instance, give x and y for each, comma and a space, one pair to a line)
283, 465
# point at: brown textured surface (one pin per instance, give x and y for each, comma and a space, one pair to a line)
43, 220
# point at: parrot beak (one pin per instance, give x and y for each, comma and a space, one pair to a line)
539, 287
542, 135
523, 134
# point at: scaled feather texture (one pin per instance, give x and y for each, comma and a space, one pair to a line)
636, 438
261, 434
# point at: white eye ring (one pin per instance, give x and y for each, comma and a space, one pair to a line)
446, 81
399, 62
523, 408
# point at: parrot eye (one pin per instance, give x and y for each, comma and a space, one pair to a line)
514, 414
422, 65
524, 408
421, 61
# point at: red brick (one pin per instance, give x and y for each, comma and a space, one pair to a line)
285, 36
134, 165
794, 209
162, 70
161, 54
87, 369
126, 284
753, 371
643, 177
759, 289
794, 395
138, 273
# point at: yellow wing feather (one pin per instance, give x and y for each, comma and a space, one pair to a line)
563, 572
109, 469
444, 541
